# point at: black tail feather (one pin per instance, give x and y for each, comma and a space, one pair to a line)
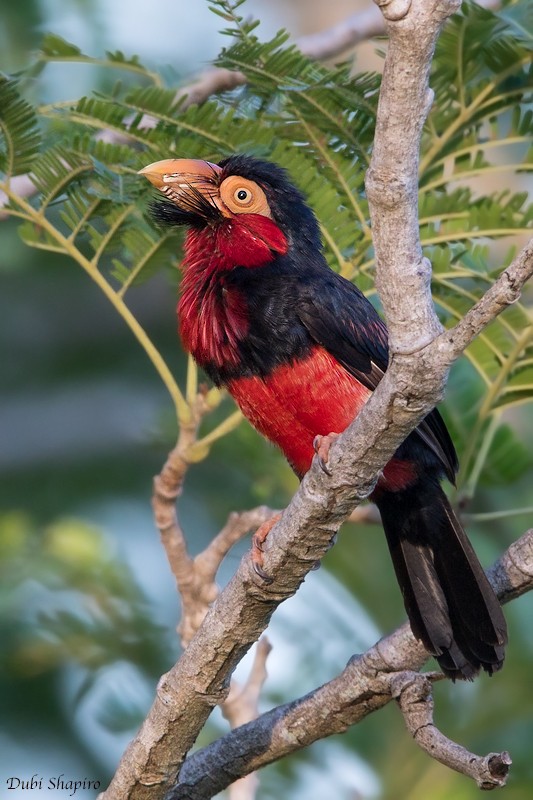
450, 603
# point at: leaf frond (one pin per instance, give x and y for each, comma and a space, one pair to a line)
20, 139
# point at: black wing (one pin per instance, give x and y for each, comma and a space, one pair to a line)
338, 316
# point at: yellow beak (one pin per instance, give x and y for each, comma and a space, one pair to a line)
181, 172
192, 184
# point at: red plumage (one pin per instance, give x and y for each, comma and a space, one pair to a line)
303, 399
301, 350
213, 317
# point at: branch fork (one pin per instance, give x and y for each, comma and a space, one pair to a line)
413, 693
411, 387
389, 669
409, 390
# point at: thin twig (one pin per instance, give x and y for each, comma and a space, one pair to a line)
409, 390
206, 564
412, 690
198, 588
504, 292
196, 578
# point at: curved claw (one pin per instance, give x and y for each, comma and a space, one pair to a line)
323, 466
321, 445
258, 569
258, 540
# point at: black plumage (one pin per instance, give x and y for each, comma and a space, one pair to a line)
295, 306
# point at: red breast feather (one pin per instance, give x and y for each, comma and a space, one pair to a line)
213, 316
303, 398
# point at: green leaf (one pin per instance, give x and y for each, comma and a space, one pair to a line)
35, 235
144, 252
118, 57
318, 122
55, 170
460, 279
507, 460
519, 18
20, 139
89, 607
56, 49
54, 46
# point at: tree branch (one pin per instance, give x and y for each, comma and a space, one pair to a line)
196, 577
412, 690
368, 682
412, 386
392, 178
196, 596
242, 706
504, 292
329, 43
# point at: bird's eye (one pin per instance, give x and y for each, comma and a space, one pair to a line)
238, 195
242, 196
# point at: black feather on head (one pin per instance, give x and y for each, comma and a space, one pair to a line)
287, 203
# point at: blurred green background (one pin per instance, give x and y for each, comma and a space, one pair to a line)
87, 606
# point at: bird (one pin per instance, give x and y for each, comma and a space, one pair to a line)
301, 349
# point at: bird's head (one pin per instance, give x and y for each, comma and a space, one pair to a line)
244, 209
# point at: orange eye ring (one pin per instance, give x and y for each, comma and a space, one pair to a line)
242, 196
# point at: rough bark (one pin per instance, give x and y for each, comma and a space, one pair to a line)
385, 672
420, 357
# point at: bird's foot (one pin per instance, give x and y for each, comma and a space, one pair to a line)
321, 445
258, 539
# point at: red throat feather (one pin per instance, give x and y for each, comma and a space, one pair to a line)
213, 316
301, 349
250, 240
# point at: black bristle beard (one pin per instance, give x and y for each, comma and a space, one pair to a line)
166, 213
